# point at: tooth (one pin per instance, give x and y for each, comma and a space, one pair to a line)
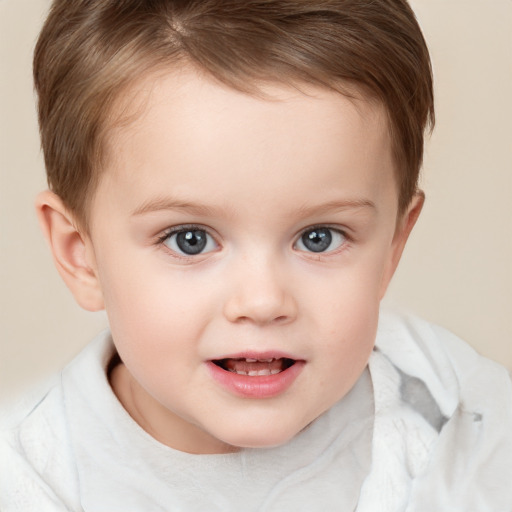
267, 360
241, 372
274, 372
253, 373
264, 372
250, 360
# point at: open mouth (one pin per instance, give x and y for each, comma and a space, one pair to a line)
255, 367
256, 376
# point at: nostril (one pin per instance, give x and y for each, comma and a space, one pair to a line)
277, 320
262, 305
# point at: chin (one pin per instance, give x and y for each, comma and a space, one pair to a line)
267, 436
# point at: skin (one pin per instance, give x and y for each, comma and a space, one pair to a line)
254, 173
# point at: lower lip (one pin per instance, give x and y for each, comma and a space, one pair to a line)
258, 386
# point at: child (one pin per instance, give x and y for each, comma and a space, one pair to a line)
234, 183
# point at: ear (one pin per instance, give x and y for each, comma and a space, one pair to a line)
402, 231
72, 250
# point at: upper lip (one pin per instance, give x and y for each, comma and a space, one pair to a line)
260, 356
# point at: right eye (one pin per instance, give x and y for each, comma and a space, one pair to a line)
189, 241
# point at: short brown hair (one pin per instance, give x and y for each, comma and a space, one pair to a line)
90, 50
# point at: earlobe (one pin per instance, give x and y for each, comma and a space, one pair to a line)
72, 250
403, 230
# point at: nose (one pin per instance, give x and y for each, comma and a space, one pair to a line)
260, 293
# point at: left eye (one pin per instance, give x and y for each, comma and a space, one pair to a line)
190, 241
320, 239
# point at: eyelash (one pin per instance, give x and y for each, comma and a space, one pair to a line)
177, 229
164, 237
318, 255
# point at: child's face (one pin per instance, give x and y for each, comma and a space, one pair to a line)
228, 229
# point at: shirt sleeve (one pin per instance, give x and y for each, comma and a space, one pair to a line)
37, 472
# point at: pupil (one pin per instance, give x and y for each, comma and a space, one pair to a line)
191, 242
317, 240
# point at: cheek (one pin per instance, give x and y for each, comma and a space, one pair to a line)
152, 306
346, 351
345, 294
157, 331
351, 331
347, 314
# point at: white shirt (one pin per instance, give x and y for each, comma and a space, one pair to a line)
434, 435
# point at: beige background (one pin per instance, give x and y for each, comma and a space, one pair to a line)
457, 270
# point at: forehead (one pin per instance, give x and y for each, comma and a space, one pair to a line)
182, 123
194, 94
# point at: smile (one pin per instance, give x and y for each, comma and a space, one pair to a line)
258, 376
255, 367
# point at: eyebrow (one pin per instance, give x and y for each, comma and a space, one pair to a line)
337, 205
168, 203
